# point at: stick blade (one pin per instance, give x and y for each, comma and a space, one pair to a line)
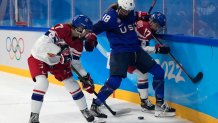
198, 77
123, 111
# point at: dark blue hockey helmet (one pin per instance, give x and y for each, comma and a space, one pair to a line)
160, 18
82, 21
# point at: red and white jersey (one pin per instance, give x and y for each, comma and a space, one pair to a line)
77, 48
144, 32
48, 45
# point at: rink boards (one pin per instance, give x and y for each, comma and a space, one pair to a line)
196, 102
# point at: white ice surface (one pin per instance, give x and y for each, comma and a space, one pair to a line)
58, 107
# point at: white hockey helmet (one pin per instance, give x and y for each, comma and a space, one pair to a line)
127, 4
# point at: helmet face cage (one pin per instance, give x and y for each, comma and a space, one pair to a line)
158, 17
158, 21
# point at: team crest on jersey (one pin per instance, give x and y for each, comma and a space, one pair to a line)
118, 20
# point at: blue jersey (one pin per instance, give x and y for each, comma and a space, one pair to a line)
120, 32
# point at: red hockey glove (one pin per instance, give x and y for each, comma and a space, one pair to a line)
65, 54
87, 83
162, 49
65, 59
142, 16
90, 42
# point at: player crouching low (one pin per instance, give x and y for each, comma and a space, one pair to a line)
51, 53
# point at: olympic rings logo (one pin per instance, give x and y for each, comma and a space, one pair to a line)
15, 47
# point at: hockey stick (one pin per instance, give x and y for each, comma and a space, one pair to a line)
199, 76
115, 113
195, 79
152, 6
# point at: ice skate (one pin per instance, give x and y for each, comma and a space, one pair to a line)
147, 106
34, 118
163, 110
95, 110
87, 114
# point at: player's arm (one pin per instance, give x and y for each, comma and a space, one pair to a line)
51, 51
103, 24
45, 50
147, 48
158, 48
99, 27
145, 44
144, 34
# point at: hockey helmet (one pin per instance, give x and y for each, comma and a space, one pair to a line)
160, 18
126, 4
82, 21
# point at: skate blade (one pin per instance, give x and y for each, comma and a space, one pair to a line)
164, 114
148, 111
99, 120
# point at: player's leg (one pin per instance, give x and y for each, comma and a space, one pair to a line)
63, 73
161, 108
146, 64
142, 86
109, 87
118, 70
39, 90
38, 72
74, 89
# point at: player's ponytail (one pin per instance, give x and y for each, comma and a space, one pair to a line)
112, 6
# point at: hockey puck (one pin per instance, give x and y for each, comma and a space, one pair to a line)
140, 117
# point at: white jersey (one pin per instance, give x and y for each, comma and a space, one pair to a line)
47, 46
43, 47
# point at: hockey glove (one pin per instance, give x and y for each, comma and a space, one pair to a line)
87, 83
90, 42
65, 54
162, 49
142, 16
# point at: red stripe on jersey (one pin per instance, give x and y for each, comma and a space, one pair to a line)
75, 91
77, 54
42, 92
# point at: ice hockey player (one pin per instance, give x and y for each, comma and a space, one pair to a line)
145, 31
76, 53
51, 53
118, 23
